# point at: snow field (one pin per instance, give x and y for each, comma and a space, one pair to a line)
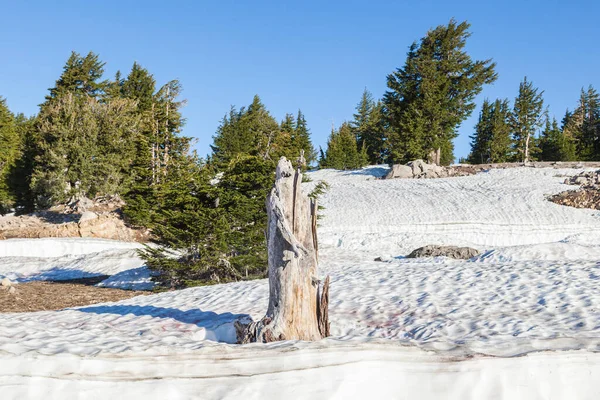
522, 320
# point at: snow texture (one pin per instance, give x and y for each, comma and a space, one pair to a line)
520, 321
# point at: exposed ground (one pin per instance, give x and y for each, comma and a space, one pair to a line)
48, 296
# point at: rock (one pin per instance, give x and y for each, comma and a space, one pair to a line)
419, 169
12, 290
6, 283
378, 259
463, 253
400, 171
88, 216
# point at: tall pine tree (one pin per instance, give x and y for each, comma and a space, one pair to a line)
369, 128
9, 153
527, 117
433, 93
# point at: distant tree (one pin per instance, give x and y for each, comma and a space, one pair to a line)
9, 153
342, 150
251, 131
583, 125
81, 77
433, 93
480, 141
555, 144
369, 128
528, 116
300, 141
139, 86
491, 141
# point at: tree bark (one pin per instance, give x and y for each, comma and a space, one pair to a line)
297, 309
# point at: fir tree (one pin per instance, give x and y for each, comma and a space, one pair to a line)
81, 77
555, 145
583, 125
342, 150
300, 141
368, 126
526, 118
480, 141
433, 93
9, 153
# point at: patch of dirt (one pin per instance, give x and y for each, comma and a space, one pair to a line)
47, 296
582, 198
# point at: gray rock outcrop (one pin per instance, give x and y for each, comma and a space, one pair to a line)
463, 253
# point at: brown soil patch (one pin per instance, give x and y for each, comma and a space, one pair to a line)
582, 198
46, 296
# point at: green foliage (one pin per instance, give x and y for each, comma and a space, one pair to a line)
84, 147
80, 77
9, 153
342, 150
583, 125
491, 141
528, 116
433, 93
212, 230
369, 128
555, 145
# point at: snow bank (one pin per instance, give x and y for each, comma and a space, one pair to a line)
309, 372
57, 247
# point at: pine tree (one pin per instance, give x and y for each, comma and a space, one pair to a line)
555, 145
433, 93
9, 153
480, 141
583, 125
527, 117
251, 131
80, 77
343, 151
368, 126
300, 141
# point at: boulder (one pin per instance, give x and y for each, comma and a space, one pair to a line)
463, 253
400, 171
6, 283
88, 216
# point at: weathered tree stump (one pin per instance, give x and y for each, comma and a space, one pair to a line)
297, 308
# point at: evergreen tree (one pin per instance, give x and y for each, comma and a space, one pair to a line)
555, 145
583, 125
80, 77
480, 141
300, 140
433, 93
500, 144
9, 153
343, 151
368, 126
491, 142
139, 86
251, 131
20, 175
526, 118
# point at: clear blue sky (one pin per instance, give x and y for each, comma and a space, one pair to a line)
313, 55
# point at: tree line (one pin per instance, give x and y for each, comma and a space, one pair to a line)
525, 132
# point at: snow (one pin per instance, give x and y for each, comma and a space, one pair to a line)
25, 260
522, 320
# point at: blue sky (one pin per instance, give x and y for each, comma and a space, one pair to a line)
314, 55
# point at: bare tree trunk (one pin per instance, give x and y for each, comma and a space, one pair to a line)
297, 310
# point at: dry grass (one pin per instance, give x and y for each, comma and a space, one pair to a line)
46, 296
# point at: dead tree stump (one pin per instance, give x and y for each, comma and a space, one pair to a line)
298, 309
